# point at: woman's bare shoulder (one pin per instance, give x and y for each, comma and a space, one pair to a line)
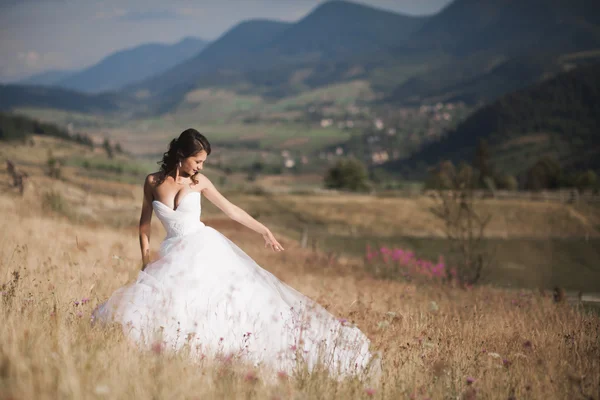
152, 179
202, 181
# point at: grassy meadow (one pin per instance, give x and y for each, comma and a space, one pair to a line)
68, 243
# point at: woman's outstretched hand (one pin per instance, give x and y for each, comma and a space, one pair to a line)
270, 241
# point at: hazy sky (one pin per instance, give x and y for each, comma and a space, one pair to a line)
37, 35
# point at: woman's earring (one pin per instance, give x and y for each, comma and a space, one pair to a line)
179, 164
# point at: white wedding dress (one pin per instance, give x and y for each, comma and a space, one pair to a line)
205, 294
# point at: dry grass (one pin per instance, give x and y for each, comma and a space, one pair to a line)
369, 215
434, 339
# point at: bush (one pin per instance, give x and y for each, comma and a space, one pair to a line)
53, 167
347, 174
54, 201
587, 180
544, 174
464, 226
507, 182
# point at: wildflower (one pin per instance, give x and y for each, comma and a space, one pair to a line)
470, 380
85, 300
157, 347
75, 303
527, 344
506, 363
250, 376
80, 314
282, 375
370, 391
343, 321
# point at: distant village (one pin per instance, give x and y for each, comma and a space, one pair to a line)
376, 139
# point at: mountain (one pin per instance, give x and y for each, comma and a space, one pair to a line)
132, 65
339, 29
558, 117
13, 96
230, 52
496, 46
472, 51
47, 78
260, 54
512, 27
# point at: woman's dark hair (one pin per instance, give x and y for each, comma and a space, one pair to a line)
189, 143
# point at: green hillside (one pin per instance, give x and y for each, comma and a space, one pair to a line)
558, 118
14, 96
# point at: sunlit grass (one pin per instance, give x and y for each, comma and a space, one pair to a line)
438, 341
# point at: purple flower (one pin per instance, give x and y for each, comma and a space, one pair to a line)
250, 376
527, 344
470, 380
157, 347
76, 303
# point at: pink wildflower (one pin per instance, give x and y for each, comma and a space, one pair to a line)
370, 391
250, 376
157, 347
282, 375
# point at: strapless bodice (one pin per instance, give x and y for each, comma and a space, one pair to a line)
184, 220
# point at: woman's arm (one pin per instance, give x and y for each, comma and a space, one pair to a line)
145, 219
236, 213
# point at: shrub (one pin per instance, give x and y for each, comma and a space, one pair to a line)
347, 174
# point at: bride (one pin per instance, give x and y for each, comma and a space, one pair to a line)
206, 295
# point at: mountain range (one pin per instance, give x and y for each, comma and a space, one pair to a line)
472, 51
122, 68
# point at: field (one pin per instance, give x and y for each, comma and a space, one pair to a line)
67, 244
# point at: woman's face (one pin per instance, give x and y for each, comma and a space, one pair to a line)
193, 164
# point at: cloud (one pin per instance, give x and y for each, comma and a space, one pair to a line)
110, 14
12, 3
190, 12
120, 14
149, 15
35, 60
31, 58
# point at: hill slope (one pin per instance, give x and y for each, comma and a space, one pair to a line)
46, 78
13, 96
132, 65
512, 27
558, 117
340, 29
261, 54
496, 47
